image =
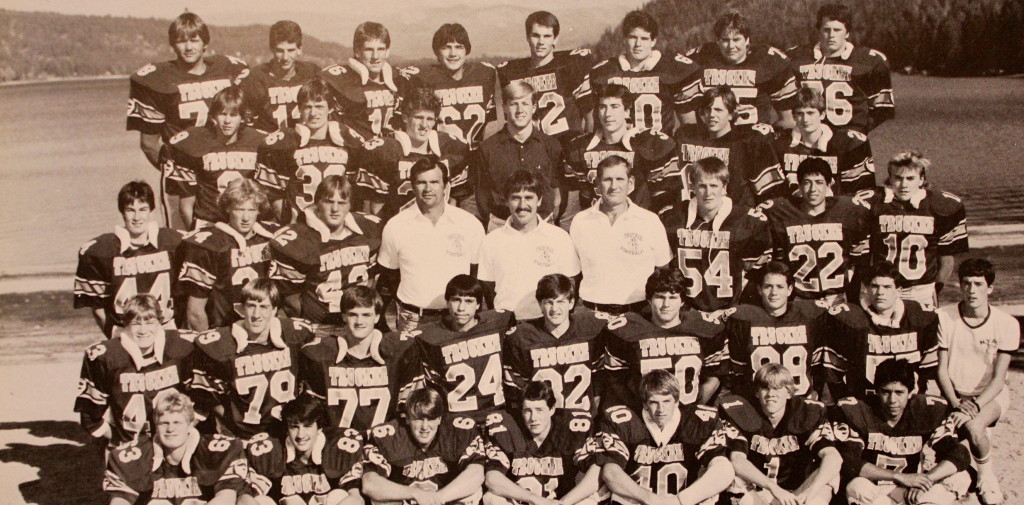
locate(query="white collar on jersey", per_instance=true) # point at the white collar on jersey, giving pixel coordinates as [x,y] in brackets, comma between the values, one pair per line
[892,321]
[152,231]
[433,143]
[186,461]
[314,222]
[258,229]
[242,337]
[132,347]
[645,66]
[844,54]
[662,436]
[386,73]
[915,199]
[375,339]
[627,139]
[333,133]
[716,223]
[821,144]
[316,452]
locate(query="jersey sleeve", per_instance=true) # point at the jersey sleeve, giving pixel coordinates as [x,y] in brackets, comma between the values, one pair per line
[92,279]
[856,163]
[782,85]
[94,391]
[738,418]
[181,178]
[837,346]
[820,435]
[758,250]
[849,421]
[663,171]
[199,270]
[466,444]
[878,88]
[617,432]
[274,167]
[222,461]
[286,268]
[376,455]
[144,114]
[739,357]
[266,464]
[765,170]
[129,468]
[951,227]
[342,459]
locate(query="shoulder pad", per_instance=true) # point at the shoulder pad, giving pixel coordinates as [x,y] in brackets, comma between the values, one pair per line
[96,351]
[839,308]
[373,143]
[488,65]
[718,316]
[757,214]
[692,51]
[764,129]
[145,70]
[274,137]
[878,54]
[384,430]
[503,64]
[182,135]
[463,423]
[601,64]
[409,71]
[236,61]
[774,51]
[705,413]
[85,247]
[951,196]
[581,51]
[207,337]
[681,58]
[856,135]
[336,69]
[741,413]
[618,414]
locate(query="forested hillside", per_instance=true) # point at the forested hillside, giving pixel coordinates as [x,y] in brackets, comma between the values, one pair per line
[944,37]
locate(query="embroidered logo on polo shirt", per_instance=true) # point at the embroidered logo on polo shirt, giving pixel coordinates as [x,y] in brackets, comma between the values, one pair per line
[632,244]
[544,255]
[456,246]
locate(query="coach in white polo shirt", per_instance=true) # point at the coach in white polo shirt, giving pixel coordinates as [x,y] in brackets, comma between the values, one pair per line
[618,242]
[425,245]
[525,248]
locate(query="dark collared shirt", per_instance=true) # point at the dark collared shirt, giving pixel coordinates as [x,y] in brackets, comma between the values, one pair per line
[501,155]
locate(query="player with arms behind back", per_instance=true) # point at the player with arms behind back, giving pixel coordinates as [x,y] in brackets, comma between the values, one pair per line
[273,87]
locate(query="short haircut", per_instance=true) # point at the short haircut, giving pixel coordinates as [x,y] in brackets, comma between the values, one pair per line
[240,191]
[516,89]
[261,289]
[895,370]
[774,376]
[186,26]
[659,382]
[368,31]
[135,191]
[172,401]
[977,267]
[421,99]
[613,161]
[836,12]
[909,159]
[526,180]
[616,91]
[729,99]
[710,167]
[778,268]
[285,31]
[814,165]
[304,409]
[230,99]
[448,33]
[464,285]
[639,19]
[361,297]
[424,403]
[316,90]
[539,391]
[426,164]
[810,98]
[552,286]
[331,185]
[731,20]
[881,269]
[542,18]
[142,306]
[665,280]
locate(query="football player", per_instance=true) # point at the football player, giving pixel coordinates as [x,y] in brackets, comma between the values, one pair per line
[311,464]
[664,453]
[121,376]
[176,465]
[219,260]
[272,88]
[329,249]
[249,369]
[139,257]
[540,454]
[425,457]
[717,242]
[917,228]
[854,80]
[780,444]
[883,440]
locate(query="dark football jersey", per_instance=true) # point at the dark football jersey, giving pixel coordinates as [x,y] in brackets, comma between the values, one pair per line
[164,99]
[138,472]
[399,352]
[912,235]
[848,152]
[664,83]
[118,384]
[218,261]
[856,84]
[467,104]
[693,350]
[273,100]
[754,170]
[557,84]
[278,472]
[651,153]
[203,166]
[568,362]
[357,391]
[857,344]
[762,81]
[306,260]
[250,380]
[822,249]
[111,271]
[363,104]
[786,453]
[292,164]
[715,256]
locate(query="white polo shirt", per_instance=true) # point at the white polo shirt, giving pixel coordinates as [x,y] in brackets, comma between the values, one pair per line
[429,255]
[972,351]
[617,259]
[515,261]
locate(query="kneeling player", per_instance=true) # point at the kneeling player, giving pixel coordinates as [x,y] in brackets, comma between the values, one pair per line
[427,457]
[178,465]
[781,446]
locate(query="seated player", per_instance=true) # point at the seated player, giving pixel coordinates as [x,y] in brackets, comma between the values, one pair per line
[329,249]
[780,444]
[139,257]
[976,342]
[206,159]
[776,330]
[883,327]
[217,261]
[272,88]
[121,376]
[917,228]
[684,342]
[176,465]
[540,453]
[664,453]
[559,348]
[824,239]
[311,464]
[425,457]
[247,370]
[883,439]
[848,152]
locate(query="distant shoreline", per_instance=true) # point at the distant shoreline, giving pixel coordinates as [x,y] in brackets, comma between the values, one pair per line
[64,79]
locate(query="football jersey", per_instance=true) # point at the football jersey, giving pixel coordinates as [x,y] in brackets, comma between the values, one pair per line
[292,164]
[363,104]
[306,260]
[652,155]
[278,472]
[794,340]
[822,249]
[164,99]
[693,350]
[111,271]
[762,81]
[118,383]
[218,261]
[250,380]
[274,100]
[912,235]
[568,362]
[138,472]
[857,343]
[203,166]
[856,84]
[398,351]
[786,453]
[467,104]
[557,85]
[715,256]
[754,170]
[847,152]
[662,84]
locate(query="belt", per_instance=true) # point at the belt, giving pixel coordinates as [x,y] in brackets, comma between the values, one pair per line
[408,307]
[614,308]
